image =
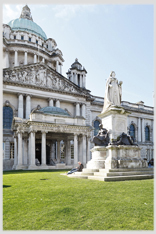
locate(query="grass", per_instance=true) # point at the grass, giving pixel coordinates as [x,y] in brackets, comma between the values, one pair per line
[46,200]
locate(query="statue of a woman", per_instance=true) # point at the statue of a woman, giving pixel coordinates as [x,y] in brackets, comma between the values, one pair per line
[113,92]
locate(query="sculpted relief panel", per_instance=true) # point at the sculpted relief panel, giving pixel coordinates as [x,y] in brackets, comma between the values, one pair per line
[39,77]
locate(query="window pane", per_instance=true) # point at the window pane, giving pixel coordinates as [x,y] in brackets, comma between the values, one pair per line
[132,131]
[147,134]
[7,117]
[96,127]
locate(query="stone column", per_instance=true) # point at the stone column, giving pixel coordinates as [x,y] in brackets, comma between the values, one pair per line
[25,151]
[75,149]
[143,131]
[32,151]
[61,69]
[84,158]
[77,109]
[84,81]
[57,66]
[15,152]
[19,157]
[16,58]
[7,58]
[88,148]
[28,106]
[68,153]
[35,58]
[58,151]
[43,149]
[25,58]
[139,130]
[51,151]
[28,147]
[51,102]
[20,105]
[58,103]
[76,80]
[43,60]
[81,81]
[71,77]
[80,148]
[84,110]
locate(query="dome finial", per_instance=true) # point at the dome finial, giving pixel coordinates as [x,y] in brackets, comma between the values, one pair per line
[26,14]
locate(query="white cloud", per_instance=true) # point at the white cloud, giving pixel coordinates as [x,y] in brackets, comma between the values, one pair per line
[67,12]
[10,14]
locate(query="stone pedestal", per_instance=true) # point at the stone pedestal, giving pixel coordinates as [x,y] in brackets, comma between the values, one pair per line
[111,161]
[115,120]
[112,156]
[99,155]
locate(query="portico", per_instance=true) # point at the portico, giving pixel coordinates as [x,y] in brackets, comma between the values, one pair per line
[48,144]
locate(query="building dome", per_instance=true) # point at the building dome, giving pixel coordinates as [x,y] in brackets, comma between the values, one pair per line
[53,110]
[25,23]
[28,26]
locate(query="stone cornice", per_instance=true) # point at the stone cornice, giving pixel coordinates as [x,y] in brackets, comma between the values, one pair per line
[32,46]
[30,126]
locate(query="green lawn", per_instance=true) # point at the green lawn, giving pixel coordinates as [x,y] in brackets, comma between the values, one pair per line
[46,200]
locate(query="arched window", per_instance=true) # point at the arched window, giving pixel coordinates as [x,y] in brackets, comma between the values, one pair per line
[132,131]
[96,127]
[147,134]
[7,117]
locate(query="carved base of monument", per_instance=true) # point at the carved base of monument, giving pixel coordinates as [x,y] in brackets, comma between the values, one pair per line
[99,155]
[112,156]
[114,119]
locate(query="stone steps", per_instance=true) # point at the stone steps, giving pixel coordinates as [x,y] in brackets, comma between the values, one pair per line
[118,174]
[127,169]
[121,178]
[122,173]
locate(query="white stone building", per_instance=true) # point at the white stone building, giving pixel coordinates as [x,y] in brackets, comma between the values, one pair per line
[48,119]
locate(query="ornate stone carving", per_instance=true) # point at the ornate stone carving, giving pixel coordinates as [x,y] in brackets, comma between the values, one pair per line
[124,139]
[39,76]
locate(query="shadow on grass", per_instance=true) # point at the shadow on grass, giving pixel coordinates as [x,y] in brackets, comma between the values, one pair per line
[6,186]
[33,171]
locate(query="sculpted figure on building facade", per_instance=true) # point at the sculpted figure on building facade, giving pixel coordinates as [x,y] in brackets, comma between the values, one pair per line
[49,80]
[54,82]
[14,76]
[6,76]
[25,78]
[113,92]
[33,76]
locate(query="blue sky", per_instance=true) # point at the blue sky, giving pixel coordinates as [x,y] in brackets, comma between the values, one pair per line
[103,38]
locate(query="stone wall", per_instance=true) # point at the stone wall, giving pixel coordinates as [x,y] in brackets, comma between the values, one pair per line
[8,164]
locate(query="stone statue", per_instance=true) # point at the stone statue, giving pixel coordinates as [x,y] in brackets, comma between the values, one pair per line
[113,92]
[102,138]
[124,139]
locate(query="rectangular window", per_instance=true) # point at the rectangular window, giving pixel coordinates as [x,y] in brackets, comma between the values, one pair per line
[29,38]
[22,37]
[36,41]
[11,150]
[14,37]
[47,46]
[42,44]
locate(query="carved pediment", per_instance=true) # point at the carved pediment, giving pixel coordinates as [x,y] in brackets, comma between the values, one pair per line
[40,75]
